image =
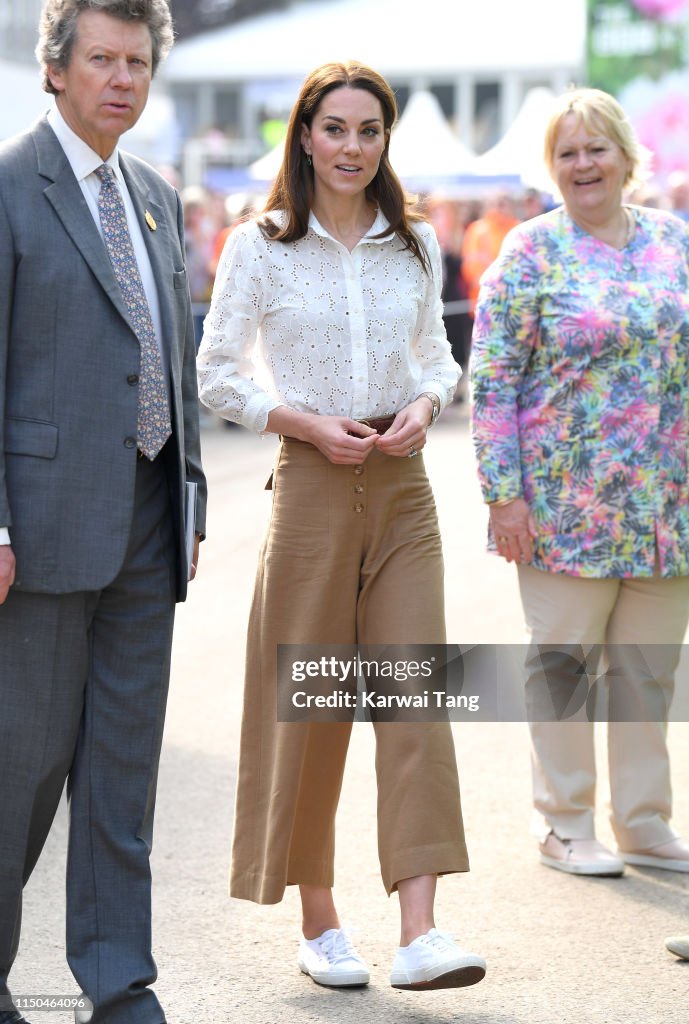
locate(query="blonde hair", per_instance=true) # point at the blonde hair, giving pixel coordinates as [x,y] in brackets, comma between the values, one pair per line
[599,112]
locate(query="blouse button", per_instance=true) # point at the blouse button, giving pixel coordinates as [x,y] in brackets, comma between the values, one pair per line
[358,470]
[358,507]
[358,488]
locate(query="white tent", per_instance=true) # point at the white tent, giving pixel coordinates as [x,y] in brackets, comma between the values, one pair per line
[394,36]
[423,148]
[266,167]
[520,150]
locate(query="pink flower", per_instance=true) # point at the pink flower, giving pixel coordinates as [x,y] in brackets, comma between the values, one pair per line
[663,10]
[664,129]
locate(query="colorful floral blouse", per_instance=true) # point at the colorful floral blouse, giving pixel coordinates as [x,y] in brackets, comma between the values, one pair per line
[580,374]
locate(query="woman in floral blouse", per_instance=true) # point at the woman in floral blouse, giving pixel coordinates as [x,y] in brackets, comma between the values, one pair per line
[581,422]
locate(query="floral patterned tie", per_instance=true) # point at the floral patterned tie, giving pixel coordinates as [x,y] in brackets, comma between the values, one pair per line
[153,420]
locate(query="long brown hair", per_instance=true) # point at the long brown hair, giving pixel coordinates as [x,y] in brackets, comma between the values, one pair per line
[292,189]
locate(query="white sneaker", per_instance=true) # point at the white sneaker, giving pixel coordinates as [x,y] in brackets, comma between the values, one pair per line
[679,945]
[331,959]
[434,960]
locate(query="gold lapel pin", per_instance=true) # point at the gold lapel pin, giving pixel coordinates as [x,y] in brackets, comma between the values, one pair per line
[150,221]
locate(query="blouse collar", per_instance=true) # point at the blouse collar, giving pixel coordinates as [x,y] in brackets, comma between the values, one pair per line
[379,225]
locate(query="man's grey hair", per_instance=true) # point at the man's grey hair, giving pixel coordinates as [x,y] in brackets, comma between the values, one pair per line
[57,30]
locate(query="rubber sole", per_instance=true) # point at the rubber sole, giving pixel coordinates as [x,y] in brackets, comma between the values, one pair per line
[352,980]
[460,977]
[644,860]
[569,868]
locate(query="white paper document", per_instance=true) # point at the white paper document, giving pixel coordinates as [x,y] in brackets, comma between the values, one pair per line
[190,522]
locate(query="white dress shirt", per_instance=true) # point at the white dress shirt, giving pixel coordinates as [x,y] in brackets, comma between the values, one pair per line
[319,329]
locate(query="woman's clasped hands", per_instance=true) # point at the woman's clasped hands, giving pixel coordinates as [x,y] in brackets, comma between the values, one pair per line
[348,442]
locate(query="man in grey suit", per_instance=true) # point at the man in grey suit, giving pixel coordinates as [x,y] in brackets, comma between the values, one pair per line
[98,443]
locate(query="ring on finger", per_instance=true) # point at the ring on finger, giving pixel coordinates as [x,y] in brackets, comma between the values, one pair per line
[503,540]
[412,452]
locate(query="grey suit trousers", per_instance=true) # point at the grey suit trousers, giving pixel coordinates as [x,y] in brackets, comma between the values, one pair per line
[84,679]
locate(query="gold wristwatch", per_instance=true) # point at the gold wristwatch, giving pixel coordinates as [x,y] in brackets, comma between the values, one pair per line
[435,403]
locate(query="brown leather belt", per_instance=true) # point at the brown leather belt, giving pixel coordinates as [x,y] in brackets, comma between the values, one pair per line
[379,423]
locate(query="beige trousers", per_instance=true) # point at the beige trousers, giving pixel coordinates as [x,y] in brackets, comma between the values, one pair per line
[652,612]
[352,555]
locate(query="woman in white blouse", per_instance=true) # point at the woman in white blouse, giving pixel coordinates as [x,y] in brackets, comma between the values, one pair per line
[335,290]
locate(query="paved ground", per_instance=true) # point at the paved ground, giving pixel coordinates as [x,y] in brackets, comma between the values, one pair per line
[560,950]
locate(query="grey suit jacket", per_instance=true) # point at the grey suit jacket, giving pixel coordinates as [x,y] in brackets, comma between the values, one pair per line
[68,365]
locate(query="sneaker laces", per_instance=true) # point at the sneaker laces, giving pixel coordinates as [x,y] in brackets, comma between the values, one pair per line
[339,947]
[438,940]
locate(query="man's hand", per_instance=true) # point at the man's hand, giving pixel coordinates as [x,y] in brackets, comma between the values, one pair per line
[7,565]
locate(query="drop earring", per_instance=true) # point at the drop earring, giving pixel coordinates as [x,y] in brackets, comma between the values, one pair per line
[309,160]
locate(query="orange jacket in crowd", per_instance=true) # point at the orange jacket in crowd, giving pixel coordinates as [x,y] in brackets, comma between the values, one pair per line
[481,245]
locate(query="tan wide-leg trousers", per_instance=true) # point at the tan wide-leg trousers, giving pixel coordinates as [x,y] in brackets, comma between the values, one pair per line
[651,612]
[353,555]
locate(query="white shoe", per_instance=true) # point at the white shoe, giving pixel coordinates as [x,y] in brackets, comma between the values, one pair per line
[434,960]
[331,959]
[579,856]
[671,856]
[679,945]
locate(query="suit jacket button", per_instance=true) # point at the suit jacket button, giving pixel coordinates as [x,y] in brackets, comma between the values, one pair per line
[130,442]
[133,378]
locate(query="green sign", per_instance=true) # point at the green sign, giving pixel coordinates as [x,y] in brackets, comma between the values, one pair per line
[638,50]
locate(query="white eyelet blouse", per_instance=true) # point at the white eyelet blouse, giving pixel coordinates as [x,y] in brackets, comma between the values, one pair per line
[311,326]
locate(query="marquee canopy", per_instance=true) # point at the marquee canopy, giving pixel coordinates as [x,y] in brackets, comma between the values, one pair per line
[397,37]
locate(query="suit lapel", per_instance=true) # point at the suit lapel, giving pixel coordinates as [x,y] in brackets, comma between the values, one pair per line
[64,194]
[66,198]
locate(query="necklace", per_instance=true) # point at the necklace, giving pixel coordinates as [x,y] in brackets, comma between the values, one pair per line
[630,224]
[604,236]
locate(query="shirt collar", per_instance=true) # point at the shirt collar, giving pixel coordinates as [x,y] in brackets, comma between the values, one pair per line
[380,224]
[82,159]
